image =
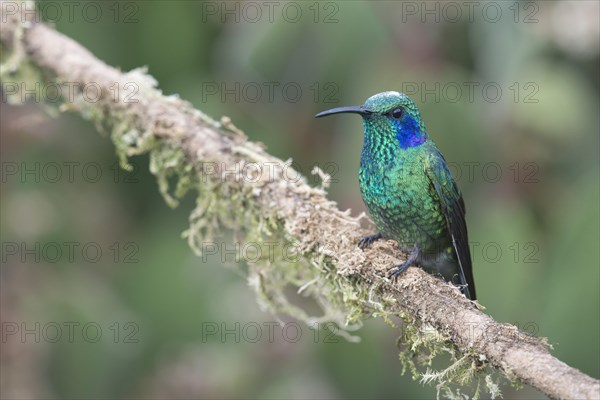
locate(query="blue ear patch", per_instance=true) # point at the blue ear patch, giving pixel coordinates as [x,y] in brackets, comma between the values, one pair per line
[408,132]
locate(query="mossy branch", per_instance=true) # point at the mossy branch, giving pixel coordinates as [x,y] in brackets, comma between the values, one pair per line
[188,147]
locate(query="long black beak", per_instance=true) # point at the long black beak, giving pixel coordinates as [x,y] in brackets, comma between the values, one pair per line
[352,109]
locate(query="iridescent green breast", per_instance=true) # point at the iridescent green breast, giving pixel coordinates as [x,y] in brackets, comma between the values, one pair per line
[402,201]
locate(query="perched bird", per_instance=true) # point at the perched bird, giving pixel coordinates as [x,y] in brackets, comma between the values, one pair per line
[409,191]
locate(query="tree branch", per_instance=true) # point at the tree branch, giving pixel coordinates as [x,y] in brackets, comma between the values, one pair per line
[170,129]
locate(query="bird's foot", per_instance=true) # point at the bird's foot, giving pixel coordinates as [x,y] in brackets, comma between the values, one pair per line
[367,241]
[398,269]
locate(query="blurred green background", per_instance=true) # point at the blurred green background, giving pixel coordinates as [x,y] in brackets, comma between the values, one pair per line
[526,158]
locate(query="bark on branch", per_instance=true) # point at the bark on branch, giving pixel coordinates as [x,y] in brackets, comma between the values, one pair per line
[306,214]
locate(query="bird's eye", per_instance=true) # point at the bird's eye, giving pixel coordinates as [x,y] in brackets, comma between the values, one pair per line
[397,113]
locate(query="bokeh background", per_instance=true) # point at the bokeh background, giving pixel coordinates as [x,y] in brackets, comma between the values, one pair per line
[525,156]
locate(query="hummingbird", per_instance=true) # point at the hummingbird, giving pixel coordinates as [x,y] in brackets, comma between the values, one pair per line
[409,191]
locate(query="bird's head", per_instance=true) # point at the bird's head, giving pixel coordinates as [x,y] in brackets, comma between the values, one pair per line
[388,116]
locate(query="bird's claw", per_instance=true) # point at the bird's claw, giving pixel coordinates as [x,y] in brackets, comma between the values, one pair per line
[367,241]
[394,272]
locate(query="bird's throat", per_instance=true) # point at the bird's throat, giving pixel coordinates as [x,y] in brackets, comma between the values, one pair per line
[385,149]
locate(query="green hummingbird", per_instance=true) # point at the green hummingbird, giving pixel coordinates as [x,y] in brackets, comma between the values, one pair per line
[409,191]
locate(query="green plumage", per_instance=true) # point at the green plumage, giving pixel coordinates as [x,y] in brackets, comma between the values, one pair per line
[402,201]
[409,191]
